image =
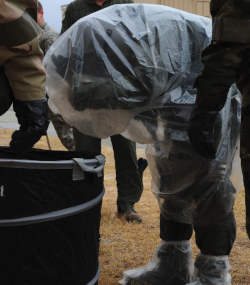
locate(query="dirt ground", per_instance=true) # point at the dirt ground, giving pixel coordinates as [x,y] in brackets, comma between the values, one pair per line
[125,245]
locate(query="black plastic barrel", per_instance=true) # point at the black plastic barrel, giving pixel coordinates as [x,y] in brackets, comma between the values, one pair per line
[50,208]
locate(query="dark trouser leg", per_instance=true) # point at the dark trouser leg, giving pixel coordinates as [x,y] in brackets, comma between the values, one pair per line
[86,143]
[174,231]
[212,265]
[215,243]
[6,95]
[245,146]
[128,175]
[34,121]
[246,174]
[218,239]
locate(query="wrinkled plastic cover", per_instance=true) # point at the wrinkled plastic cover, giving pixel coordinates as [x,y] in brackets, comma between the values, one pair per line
[116,63]
[211,270]
[171,263]
[188,187]
[130,69]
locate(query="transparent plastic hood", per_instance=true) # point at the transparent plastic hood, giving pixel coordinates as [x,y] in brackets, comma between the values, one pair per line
[117,62]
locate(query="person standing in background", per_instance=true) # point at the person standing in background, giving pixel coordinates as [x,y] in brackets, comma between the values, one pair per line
[128,174]
[63,130]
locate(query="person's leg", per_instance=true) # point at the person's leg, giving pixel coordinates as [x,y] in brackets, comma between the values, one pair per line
[246,175]
[128,174]
[6,94]
[174,231]
[215,244]
[26,75]
[245,146]
[63,130]
[34,121]
[172,261]
[86,143]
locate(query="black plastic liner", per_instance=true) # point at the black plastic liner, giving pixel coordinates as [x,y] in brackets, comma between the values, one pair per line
[62,250]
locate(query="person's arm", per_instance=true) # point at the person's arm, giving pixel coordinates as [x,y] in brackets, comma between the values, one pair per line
[47,40]
[67,21]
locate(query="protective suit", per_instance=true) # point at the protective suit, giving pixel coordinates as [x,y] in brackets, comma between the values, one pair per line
[130,69]
[22,75]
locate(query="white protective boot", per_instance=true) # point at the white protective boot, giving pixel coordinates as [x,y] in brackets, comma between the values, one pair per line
[211,270]
[171,264]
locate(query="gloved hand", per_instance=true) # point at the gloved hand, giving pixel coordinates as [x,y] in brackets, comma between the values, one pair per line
[201,130]
[34,121]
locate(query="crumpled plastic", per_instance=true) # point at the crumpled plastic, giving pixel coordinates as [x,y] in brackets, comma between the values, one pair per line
[201,130]
[130,69]
[190,188]
[116,63]
[171,264]
[212,270]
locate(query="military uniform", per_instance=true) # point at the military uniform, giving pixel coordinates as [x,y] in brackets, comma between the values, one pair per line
[81,8]
[128,174]
[49,36]
[19,49]
[21,60]
[63,130]
[226,60]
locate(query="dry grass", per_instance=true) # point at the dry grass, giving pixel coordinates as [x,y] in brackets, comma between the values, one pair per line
[126,246]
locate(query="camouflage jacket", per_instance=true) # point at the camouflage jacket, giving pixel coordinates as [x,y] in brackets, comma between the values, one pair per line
[81,8]
[231,20]
[20,54]
[49,36]
[15,17]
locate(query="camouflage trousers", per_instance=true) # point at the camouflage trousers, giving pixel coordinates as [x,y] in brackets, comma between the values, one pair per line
[63,130]
[225,64]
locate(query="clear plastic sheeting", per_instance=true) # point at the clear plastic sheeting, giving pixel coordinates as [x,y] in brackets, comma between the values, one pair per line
[171,264]
[120,61]
[190,188]
[211,270]
[130,69]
